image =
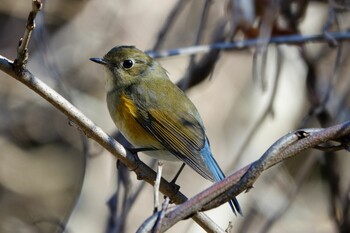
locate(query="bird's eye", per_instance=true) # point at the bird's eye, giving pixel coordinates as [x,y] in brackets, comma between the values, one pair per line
[128,63]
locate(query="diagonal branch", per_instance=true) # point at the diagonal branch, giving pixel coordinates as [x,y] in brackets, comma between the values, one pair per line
[286,147]
[17,69]
[96,133]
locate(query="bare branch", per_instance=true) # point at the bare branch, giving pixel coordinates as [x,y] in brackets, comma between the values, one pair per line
[292,39]
[22,50]
[286,147]
[219,193]
[96,133]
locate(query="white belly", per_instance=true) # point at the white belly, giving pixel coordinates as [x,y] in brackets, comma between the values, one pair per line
[162,155]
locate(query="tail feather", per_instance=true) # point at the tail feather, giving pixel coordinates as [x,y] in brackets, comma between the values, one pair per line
[218,174]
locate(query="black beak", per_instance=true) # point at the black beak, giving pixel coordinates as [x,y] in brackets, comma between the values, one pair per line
[99,60]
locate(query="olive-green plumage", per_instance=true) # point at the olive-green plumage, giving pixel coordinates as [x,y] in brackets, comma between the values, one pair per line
[152,112]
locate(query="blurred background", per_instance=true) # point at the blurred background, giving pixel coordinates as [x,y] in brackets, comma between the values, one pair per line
[54,179]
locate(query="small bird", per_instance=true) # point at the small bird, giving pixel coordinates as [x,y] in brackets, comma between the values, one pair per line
[154,114]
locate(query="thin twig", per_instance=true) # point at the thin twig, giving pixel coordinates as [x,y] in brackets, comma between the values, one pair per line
[161,215]
[156,186]
[291,39]
[22,50]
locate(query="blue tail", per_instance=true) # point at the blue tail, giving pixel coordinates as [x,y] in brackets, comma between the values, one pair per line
[218,174]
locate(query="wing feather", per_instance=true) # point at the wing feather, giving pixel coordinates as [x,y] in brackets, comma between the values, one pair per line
[181,134]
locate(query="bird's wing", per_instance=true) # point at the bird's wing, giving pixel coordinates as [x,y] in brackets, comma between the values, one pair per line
[181,134]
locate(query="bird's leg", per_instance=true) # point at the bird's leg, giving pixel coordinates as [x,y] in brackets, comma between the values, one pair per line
[173,181]
[156,186]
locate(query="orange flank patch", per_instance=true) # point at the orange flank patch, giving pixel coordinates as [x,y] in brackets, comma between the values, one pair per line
[126,113]
[128,106]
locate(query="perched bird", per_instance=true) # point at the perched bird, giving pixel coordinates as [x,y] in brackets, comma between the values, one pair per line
[154,114]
